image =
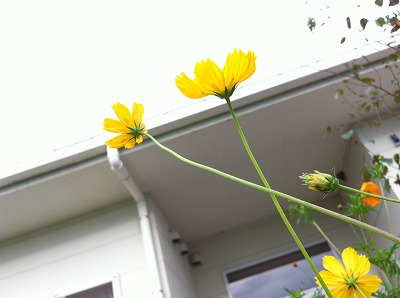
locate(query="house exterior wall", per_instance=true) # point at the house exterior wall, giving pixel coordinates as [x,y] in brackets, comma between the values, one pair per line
[264,239]
[77,255]
[175,270]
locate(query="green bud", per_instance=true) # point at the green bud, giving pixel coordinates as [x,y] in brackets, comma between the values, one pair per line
[320,181]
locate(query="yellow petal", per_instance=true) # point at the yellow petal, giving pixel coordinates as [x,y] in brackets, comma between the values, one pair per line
[123,114]
[369,284]
[115,126]
[331,279]
[356,265]
[119,141]
[139,139]
[334,266]
[130,144]
[188,87]
[137,112]
[209,77]
[341,292]
[238,67]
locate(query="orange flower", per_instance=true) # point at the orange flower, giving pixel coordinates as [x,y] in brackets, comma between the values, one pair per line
[371,188]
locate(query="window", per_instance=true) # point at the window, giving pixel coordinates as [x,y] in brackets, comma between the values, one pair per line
[290,271]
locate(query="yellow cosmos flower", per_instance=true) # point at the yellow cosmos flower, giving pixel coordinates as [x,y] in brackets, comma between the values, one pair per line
[129,126]
[373,188]
[347,281]
[211,80]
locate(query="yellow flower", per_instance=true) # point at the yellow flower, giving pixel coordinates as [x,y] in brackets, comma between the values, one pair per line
[320,181]
[371,188]
[211,80]
[129,126]
[347,281]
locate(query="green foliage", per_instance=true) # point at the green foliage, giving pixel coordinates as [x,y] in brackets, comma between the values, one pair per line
[301,212]
[295,294]
[311,24]
[363,23]
[378,170]
[386,261]
[380,21]
[355,206]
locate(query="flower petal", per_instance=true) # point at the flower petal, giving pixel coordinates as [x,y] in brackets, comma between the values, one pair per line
[120,141]
[331,264]
[209,77]
[188,87]
[369,284]
[137,113]
[123,114]
[115,126]
[238,67]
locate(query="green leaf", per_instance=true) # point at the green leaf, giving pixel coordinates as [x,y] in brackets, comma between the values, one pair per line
[348,21]
[379,2]
[380,22]
[367,80]
[311,24]
[343,40]
[396,158]
[376,123]
[328,130]
[363,23]
[339,93]
[397,96]
[393,57]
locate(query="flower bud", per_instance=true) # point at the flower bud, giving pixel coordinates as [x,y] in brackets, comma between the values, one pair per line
[320,181]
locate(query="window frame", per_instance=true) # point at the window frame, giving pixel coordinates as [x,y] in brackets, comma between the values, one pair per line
[115,283]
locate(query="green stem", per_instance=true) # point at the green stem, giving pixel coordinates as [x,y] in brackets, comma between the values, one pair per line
[326,237]
[355,233]
[368,194]
[278,193]
[362,232]
[275,201]
[361,292]
[389,218]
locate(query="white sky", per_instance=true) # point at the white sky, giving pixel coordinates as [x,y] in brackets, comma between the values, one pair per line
[64,63]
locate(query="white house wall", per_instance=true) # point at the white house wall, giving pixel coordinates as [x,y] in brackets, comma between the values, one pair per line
[264,239]
[76,256]
[176,275]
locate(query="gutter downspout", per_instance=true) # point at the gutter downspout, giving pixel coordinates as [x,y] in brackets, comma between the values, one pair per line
[145,225]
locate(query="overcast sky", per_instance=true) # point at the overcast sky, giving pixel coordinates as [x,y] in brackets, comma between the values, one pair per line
[64,63]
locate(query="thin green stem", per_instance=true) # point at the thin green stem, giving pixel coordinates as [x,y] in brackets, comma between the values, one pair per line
[371,235]
[389,218]
[355,233]
[278,193]
[361,292]
[362,232]
[368,194]
[316,225]
[275,201]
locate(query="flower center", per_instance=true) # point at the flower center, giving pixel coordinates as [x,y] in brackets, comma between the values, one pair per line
[137,130]
[351,282]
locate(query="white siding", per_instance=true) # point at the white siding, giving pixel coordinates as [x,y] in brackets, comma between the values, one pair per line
[77,255]
[176,275]
[264,239]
